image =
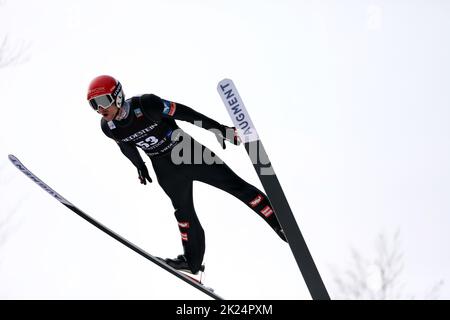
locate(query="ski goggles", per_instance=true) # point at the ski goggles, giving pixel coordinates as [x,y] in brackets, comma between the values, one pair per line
[104,101]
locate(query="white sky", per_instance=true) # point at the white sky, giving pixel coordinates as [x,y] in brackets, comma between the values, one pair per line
[350,98]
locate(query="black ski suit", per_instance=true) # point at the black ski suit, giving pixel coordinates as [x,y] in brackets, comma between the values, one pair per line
[150,125]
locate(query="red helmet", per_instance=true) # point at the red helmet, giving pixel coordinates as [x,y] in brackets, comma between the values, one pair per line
[103,91]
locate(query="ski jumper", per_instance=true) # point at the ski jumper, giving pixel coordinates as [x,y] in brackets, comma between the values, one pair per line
[150,125]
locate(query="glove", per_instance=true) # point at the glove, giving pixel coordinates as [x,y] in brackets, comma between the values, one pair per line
[144,175]
[228,134]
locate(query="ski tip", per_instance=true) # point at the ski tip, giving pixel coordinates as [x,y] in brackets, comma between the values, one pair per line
[223,82]
[11,157]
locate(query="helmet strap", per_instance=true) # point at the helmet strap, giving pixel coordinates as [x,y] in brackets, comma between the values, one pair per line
[122,113]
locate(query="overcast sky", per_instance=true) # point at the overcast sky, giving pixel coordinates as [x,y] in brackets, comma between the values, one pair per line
[350,98]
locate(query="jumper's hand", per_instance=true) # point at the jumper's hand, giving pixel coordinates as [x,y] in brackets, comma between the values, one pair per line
[144,176]
[229,134]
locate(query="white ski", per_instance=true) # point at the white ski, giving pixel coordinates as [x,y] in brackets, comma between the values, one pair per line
[255,149]
[154,259]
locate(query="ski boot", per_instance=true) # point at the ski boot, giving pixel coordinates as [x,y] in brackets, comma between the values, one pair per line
[180,263]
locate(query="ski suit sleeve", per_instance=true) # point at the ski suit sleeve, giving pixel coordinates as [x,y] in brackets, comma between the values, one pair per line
[130,151]
[159,108]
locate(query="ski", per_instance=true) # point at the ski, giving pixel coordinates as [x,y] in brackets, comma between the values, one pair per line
[193,282]
[269,180]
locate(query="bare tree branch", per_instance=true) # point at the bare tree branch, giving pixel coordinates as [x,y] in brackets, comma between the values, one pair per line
[378,278]
[12,54]
[435,291]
